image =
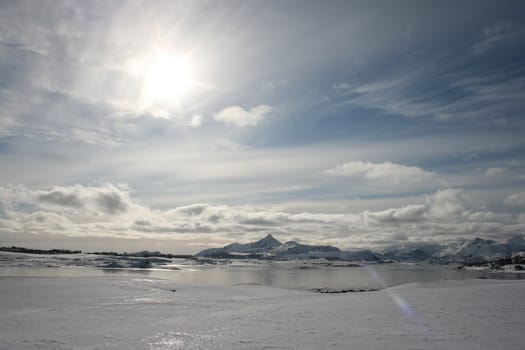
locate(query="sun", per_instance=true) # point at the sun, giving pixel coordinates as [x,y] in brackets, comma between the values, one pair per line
[166,78]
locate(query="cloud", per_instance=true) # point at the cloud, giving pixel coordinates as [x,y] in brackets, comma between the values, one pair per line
[409,213]
[240,117]
[105,199]
[468,89]
[445,205]
[111,211]
[58,197]
[196,121]
[111,203]
[67,71]
[226,145]
[516,199]
[494,171]
[273,85]
[386,173]
[499,35]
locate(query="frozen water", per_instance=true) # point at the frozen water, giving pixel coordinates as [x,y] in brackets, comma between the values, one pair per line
[116,312]
[285,274]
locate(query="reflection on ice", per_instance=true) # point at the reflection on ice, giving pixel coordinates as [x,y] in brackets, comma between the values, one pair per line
[173,340]
[170,340]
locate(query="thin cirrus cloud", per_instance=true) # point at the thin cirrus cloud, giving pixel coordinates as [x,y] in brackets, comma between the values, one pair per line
[240,117]
[495,99]
[499,34]
[465,89]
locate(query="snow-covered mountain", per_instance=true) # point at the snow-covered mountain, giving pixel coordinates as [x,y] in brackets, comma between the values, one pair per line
[270,248]
[463,251]
[411,251]
[295,250]
[238,250]
[360,255]
[516,244]
[261,246]
[476,250]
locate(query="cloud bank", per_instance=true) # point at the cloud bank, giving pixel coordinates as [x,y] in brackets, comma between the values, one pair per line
[111,211]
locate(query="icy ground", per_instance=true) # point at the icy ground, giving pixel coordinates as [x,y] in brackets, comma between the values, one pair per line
[8,259]
[116,312]
[22,260]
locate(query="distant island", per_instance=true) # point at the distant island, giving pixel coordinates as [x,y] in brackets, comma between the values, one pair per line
[140,254]
[39,251]
[472,252]
[475,251]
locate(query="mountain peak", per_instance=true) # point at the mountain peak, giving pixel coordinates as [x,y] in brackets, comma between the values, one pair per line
[516,243]
[480,241]
[263,245]
[516,239]
[268,241]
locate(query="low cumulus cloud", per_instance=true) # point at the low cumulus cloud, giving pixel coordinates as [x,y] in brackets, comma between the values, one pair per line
[196,121]
[494,171]
[386,174]
[111,211]
[516,199]
[444,205]
[240,117]
[106,199]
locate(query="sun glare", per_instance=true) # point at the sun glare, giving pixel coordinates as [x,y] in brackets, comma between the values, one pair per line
[167,78]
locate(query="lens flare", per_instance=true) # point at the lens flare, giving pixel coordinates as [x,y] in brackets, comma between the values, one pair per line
[398,300]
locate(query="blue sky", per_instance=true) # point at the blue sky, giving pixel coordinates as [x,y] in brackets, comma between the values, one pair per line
[176,125]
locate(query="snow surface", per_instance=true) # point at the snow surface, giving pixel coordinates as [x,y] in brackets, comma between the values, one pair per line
[118,312]
[10,260]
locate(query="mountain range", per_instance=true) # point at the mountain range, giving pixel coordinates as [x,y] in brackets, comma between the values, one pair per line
[464,251]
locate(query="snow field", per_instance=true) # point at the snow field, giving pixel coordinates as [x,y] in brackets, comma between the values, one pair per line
[141,313]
